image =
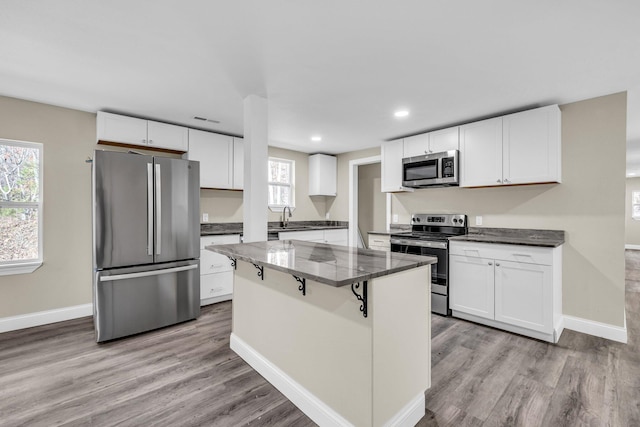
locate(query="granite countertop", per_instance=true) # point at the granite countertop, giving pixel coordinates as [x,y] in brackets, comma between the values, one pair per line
[329,264]
[513,236]
[212,229]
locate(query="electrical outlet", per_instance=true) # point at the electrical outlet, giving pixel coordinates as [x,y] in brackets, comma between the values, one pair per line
[395,218]
[327,215]
[478,220]
[205,217]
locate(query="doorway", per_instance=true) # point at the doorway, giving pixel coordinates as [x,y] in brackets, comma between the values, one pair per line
[374,213]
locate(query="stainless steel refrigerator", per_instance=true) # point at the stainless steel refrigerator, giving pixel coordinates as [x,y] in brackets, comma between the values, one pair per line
[146,234]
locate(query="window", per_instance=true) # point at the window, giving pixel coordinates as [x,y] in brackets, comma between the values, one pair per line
[635,205]
[281,183]
[20,206]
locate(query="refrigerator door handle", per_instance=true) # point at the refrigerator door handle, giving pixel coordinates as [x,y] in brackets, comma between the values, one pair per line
[150,209]
[158,211]
[147,273]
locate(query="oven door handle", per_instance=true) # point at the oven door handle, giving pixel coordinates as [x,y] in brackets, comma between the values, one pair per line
[419,243]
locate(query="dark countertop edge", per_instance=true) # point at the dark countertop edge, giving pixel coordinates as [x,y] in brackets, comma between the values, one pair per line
[307,228]
[380,233]
[335,283]
[507,241]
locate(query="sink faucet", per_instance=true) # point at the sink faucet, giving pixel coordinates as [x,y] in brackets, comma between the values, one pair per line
[285,219]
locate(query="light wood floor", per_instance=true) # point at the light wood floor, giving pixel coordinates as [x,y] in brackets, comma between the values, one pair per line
[186,375]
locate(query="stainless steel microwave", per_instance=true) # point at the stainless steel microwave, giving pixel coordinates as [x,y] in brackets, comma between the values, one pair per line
[436,169]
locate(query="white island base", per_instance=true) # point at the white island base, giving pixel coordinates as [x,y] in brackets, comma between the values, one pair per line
[338,367]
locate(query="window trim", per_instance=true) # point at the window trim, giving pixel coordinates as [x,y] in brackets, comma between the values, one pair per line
[28,265]
[291,185]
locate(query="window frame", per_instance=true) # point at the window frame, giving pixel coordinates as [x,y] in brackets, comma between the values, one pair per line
[291,184]
[30,265]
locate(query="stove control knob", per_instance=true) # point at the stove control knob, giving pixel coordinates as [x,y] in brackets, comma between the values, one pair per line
[417,219]
[455,220]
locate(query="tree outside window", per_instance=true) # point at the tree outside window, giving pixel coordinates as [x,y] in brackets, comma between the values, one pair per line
[20,203]
[281,183]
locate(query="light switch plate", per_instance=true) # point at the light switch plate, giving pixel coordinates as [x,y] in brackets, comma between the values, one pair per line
[478,220]
[205,217]
[327,215]
[395,218]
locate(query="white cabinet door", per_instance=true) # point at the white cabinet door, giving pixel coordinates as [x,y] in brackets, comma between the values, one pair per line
[392,153]
[215,154]
[531,146]
[481,153]
[471,285]
[170,137]
[417,145]
[337,237]
[238,163]
[444,140]
[217,285]
[523,295]
[122,129]
[322,175]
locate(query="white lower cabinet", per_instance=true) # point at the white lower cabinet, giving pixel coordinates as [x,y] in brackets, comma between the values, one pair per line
[332,236]
[516,288]
[380,242]
[216,271]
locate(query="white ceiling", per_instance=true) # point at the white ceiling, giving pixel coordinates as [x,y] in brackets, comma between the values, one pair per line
[337,68]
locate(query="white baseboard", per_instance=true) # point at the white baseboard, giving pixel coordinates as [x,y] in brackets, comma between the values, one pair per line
[634,247]
[313,407]
[39,318]
[410,414]
[591,327]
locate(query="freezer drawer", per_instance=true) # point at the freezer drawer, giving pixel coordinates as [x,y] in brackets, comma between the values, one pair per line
[133,300]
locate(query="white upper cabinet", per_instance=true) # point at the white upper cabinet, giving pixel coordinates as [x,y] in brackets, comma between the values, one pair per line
[520,148]
[432,142]
[531,146]
[215,154]
[238,163]
[322,175]
[169,137]
[392,153]
[416,145]
[481,153]
[115,128]
[121,129]
[444,140]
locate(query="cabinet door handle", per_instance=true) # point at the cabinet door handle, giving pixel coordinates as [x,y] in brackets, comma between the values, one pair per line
[506,180]
[499,181]
[490,263]
[497,264]
[151,141]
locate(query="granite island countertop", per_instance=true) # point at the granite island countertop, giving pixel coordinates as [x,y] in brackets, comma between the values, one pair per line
[329,264]
[513,236]
[214,229]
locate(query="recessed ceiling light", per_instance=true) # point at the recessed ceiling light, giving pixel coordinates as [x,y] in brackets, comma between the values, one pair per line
[401,113]
[316,138]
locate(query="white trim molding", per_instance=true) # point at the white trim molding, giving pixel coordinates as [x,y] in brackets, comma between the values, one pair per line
[410,414]
[632,247]
[308,403]
[19,268]
[40,318]
[353,195]
[591,327]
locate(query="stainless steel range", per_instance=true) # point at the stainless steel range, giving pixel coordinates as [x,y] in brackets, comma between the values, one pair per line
[429,235]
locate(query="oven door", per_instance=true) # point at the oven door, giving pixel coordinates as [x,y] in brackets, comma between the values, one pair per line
[439,270]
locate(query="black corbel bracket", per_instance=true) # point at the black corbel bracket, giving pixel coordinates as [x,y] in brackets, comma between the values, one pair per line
[260,271]
[233,263]
[303,284]
[362,298]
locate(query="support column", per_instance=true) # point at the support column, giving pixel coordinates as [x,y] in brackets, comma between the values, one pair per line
[255,197]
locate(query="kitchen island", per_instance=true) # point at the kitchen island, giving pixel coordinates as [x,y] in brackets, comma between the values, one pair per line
[343,332]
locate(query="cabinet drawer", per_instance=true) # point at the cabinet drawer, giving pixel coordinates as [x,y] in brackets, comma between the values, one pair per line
[211,262]
[336,236]
[215,285]
[514,253]
[310,235]
[223,239]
